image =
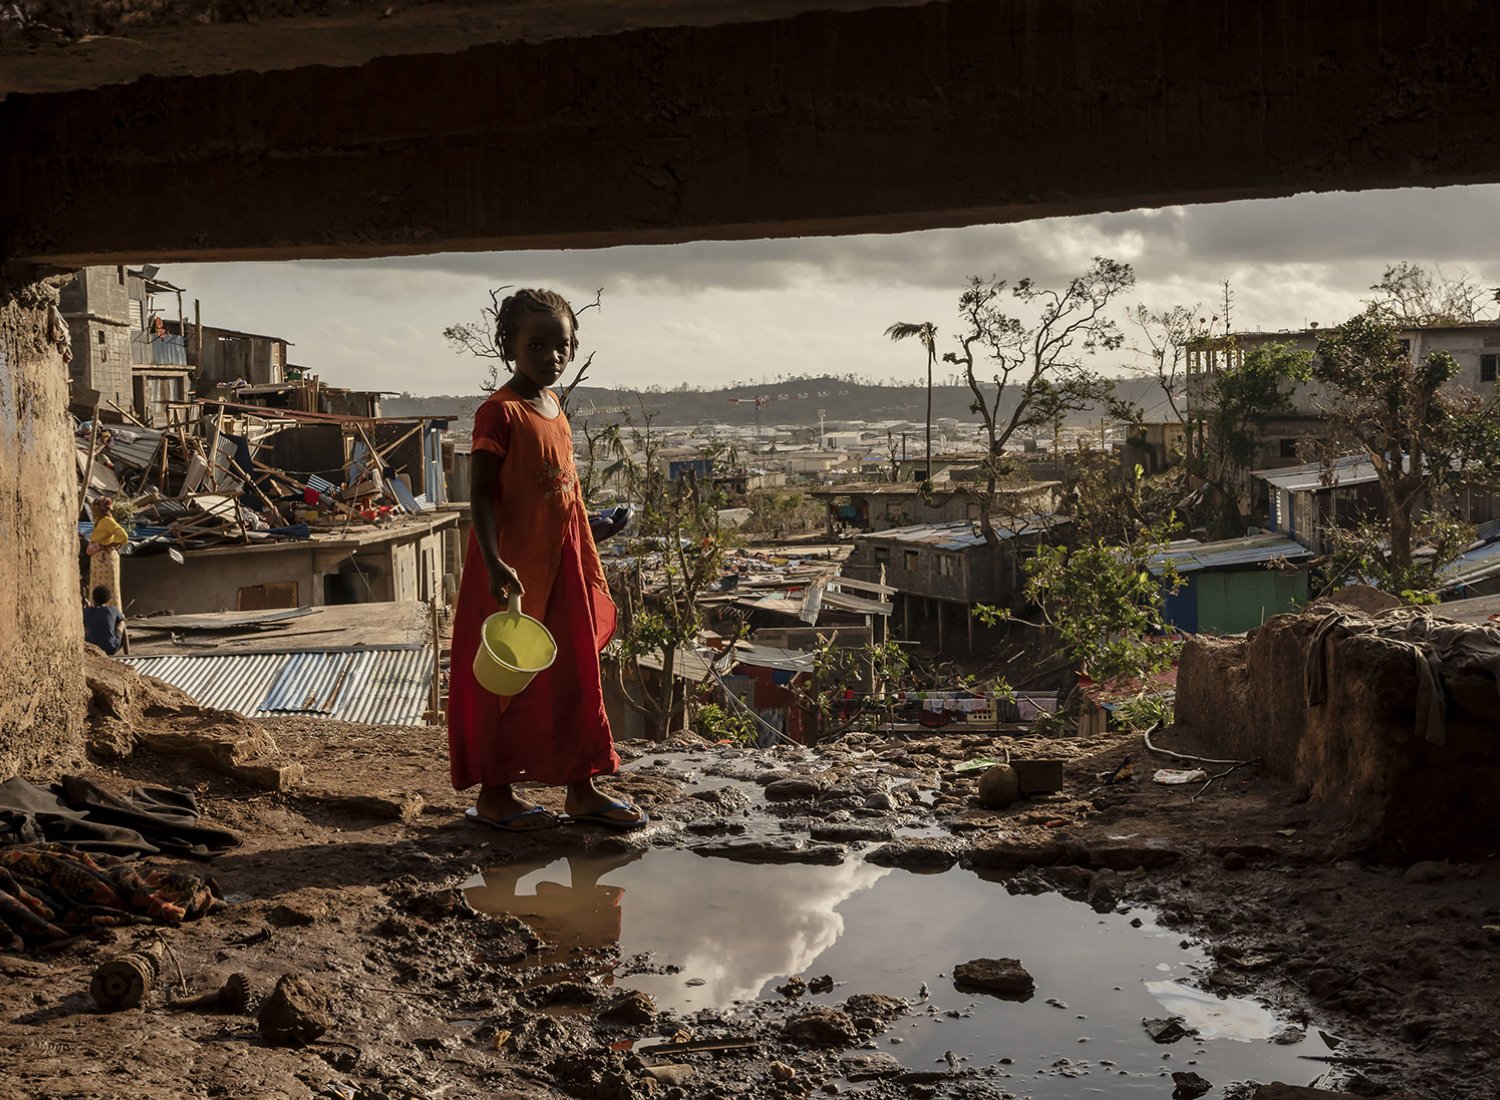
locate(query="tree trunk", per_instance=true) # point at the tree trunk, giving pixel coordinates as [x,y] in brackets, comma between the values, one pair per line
[666,694]
[930,356]
[1400,559]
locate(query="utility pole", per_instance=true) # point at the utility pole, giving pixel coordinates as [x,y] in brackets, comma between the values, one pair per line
[822,432]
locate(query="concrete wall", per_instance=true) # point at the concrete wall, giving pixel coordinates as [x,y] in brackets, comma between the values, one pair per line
[41,618]
[97,307]
[399,570]
[878,119]
[211,582]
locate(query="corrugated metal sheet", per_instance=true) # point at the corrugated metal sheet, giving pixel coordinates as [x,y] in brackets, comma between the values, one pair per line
[1351,470]
[1477,565]
[376,686]
[139,452]
[1258,550]
[962,534]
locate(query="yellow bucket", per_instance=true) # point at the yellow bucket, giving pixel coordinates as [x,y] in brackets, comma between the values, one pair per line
[512,649]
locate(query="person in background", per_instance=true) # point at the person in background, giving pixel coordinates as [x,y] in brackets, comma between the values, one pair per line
[103,623]
[104,550]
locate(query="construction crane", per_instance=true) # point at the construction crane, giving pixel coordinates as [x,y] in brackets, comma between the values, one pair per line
[760,403]
[762,400]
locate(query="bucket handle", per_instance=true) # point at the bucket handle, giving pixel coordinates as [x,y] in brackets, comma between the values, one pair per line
[513,609]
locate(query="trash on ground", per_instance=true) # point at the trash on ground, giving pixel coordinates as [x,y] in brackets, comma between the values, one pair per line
[1176,776]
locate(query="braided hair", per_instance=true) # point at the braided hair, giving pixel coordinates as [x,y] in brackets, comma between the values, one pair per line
[508,318]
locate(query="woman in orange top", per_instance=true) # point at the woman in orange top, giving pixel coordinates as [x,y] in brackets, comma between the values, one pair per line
[531,536]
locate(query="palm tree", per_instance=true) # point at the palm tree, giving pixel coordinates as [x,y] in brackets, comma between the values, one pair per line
[926,332]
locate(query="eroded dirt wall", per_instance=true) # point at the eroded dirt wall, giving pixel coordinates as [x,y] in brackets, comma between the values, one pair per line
[1358,754]
[41,626]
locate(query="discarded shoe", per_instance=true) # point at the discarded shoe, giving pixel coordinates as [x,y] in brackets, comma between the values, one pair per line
[602,817]
[527,821]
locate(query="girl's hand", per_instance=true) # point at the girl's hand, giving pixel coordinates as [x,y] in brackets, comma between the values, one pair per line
[503,581]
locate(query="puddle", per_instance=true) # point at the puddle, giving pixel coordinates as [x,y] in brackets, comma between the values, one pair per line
[1214,1018]
[701,933]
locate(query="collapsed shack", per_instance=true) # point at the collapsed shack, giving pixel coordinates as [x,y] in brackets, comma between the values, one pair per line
[226,472]
[1390,721]
[227,478]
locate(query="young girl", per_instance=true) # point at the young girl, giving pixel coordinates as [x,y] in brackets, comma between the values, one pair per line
[531,536]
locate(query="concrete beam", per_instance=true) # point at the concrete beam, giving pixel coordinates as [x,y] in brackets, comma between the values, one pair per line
[51,46]
[884,119]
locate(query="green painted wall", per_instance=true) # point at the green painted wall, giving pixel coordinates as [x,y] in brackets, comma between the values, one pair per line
[1231,603]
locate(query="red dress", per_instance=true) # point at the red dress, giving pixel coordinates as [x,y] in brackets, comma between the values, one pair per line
[556,731]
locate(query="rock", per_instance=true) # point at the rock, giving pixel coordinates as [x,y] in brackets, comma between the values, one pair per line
[875,1005]
[232,748]
[1428,871]
[868,1067]
[823,984]
[565,993]
[1289,1036]
[774,850]
[880,801]
[297,914]
[791,790]
[782,1072]
[1009,854]
[1104,890]
[793,988]
[1166,1029]
[295,1013]
[1325,981]
[1127,857]
[1234,861]
[1278,1091]
[999,977]
[851,833]
[674,1075]
[632,1009]
[405,806]
[1189,1086]
[822,1027]
[999,787]
[914,855]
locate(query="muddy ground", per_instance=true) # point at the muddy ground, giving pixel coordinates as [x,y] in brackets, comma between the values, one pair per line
[349,878]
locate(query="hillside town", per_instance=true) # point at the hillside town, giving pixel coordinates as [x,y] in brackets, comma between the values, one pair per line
[674,551]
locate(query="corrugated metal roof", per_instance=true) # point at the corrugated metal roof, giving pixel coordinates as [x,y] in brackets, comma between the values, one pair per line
[1256,550]
[1349,470]
[963,534]
[387,687]
[1478,564]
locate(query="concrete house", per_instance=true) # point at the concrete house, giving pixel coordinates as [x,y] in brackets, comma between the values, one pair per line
[941,570]
[397,564]
[1475,346]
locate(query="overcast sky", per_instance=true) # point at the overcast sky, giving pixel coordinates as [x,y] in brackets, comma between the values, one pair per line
[713,312]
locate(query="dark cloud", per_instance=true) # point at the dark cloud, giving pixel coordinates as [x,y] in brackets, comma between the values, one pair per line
[1358,232]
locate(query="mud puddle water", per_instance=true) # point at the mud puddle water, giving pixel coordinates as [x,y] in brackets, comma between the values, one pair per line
[711,934]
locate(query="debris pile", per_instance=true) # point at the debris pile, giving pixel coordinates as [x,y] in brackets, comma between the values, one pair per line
[223,474]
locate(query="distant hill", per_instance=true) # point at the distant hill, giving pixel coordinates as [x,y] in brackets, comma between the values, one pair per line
[794,402]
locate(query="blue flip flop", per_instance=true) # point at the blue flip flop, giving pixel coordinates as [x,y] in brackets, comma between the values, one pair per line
[601,817]
[505,824]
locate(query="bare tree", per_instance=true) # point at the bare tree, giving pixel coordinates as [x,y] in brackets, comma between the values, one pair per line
[481,339]
[1410,296]
[1038,363]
